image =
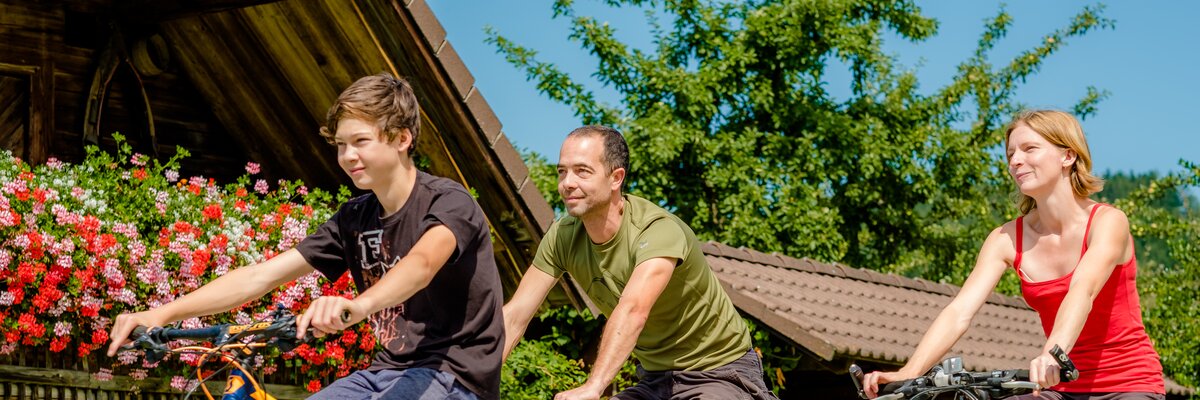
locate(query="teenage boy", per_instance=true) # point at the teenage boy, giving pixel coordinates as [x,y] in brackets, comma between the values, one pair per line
[645,270]
[419,251]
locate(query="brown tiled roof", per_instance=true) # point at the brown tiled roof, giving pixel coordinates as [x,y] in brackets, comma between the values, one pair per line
[836,311]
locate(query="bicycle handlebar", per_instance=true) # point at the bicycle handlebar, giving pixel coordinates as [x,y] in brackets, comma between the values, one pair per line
[279,331]
[950,377]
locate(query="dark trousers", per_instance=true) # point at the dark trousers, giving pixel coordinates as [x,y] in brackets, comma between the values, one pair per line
[740,379]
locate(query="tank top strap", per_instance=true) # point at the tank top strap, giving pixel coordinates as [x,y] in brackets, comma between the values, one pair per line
[1088,230]
[1020,239]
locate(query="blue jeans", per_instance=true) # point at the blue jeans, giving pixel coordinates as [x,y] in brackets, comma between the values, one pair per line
[408,384]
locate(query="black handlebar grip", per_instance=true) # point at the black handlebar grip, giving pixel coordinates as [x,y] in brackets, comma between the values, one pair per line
[892,387]
[1068,371]
[856,373]
[138,332]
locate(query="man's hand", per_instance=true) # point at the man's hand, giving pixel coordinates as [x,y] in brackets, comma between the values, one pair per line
[1044,371]
[585,392]
[329,314]
[124,325]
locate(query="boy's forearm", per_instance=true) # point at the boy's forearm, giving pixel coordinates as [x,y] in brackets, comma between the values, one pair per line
[412,273]
[237,287]
[399,284]
[220,295]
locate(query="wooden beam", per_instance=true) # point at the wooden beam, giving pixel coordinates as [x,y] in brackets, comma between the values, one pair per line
[143,11]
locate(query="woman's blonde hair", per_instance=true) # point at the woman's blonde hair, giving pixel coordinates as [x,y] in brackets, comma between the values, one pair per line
[1060,129]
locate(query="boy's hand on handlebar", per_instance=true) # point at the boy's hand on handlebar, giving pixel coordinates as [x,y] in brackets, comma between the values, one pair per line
[1044,371]
[329,314]
[872,381]
[124,325]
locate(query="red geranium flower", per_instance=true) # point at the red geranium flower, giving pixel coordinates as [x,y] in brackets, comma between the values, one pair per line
[212,212]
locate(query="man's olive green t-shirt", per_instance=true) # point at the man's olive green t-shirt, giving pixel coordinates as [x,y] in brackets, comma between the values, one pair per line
[693,326]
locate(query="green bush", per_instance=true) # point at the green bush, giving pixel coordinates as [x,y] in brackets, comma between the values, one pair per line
[535,370]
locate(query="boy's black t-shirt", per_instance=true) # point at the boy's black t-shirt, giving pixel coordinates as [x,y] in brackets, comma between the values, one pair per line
[455,323]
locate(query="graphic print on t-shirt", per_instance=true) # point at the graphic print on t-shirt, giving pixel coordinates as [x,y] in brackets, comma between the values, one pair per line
[376,261]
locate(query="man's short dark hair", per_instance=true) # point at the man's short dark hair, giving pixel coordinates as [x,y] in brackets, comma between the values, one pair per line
[616,151]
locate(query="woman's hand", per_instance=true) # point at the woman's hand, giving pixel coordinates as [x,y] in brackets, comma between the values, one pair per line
[329,314]
[871,381]
[1044,371]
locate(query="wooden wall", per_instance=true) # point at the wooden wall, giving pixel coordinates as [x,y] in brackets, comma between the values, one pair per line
[52,51]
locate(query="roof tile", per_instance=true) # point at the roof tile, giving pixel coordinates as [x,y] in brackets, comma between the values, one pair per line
[428,23]
[489,124]
[511,160]
[537,205]
[864,314]
[459,75]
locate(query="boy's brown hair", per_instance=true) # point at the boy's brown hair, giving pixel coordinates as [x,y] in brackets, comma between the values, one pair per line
[383,99]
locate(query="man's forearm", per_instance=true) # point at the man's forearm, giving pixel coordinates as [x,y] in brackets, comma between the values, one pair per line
[617,342]
[515,323]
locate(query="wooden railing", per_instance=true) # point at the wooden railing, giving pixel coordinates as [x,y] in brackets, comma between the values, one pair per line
[40,374]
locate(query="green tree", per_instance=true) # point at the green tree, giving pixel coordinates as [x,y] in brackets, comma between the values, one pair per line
[732,125]
[1153,250]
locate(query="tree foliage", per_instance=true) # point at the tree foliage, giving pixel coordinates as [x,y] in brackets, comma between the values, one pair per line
[733,126]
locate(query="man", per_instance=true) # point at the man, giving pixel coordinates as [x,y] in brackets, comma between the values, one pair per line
[419,251]
[644,269]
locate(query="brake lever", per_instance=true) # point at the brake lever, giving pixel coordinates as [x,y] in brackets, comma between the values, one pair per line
[856,373]
[1066,366]
[145,339]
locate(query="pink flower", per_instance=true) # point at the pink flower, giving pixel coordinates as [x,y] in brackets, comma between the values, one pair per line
[180,383]
[62,328]
[127,357]
[171,175]
[138,159]
[104,374]
[261,186]
[253,168]
[138,374]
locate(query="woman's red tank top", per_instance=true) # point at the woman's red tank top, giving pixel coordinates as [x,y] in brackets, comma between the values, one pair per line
[1113,352]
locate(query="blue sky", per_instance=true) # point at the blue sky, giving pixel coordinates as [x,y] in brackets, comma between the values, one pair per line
[1147,62]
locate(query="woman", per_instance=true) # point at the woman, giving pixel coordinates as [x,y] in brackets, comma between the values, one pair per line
[1076,262]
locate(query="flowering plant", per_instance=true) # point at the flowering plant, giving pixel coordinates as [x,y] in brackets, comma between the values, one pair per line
[84,243]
